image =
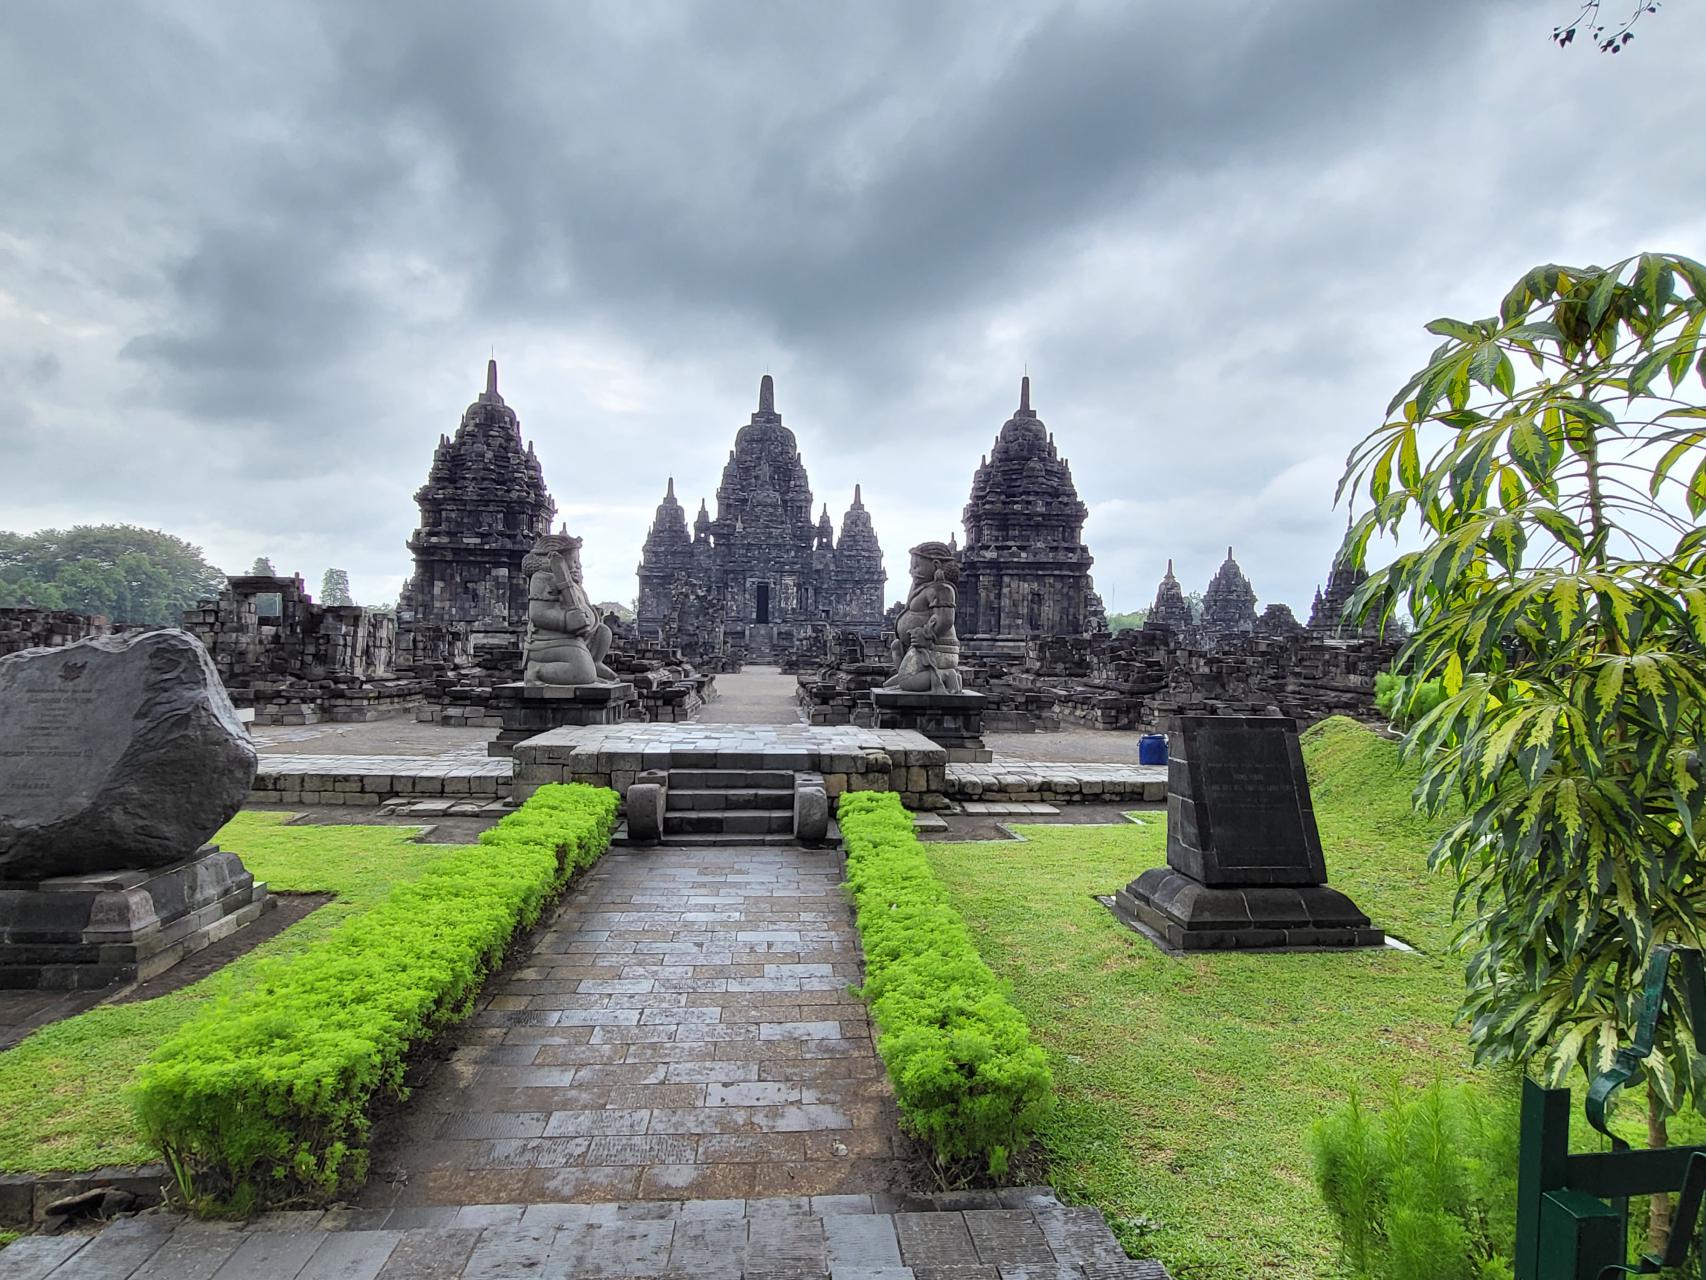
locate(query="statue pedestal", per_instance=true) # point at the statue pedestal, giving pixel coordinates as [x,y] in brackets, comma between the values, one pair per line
[72,933]
[953,721]
[529,709]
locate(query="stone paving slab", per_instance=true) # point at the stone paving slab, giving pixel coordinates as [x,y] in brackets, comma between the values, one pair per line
[1017,1234]
[682,1027]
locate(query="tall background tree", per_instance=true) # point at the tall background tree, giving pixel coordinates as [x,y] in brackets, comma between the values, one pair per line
[334,587]
[121,571]
[1559,597]
[262,568]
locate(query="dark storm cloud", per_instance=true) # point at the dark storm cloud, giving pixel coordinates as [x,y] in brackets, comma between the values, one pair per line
[264,249]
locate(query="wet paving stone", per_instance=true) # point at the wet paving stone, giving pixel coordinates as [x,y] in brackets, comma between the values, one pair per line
[680,1003]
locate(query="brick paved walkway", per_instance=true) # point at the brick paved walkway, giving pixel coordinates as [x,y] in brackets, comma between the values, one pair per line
[683,1028]
[756,695]
[674,1083]
[1020,1234]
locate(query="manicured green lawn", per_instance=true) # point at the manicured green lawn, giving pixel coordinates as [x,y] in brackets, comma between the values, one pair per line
[63,1090]
[1187,1087]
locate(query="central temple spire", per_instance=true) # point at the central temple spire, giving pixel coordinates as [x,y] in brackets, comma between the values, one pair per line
[766,395]
[490,394]
[1025,394]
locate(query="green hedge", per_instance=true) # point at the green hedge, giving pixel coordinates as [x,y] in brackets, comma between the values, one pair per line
[267,1096]
[966,1074]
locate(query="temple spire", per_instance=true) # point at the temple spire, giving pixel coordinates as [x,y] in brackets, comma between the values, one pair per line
[766,395]
[491,391]
[669,494]
[1025,394]
[1169,566]
[858,499]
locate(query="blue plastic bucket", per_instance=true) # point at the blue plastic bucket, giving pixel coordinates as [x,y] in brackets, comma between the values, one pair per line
[1152,748]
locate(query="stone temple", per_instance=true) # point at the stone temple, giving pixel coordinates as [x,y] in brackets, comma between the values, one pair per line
[483,507]
[764,573]
[1025,570]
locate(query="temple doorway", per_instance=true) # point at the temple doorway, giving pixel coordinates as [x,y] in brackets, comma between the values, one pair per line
[763,602]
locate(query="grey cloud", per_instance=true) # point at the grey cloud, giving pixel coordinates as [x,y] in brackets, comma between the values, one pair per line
[291,232]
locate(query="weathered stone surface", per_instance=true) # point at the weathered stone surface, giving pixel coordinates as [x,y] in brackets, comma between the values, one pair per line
[118,752]
[762,576]
[482,508]
[1026,569]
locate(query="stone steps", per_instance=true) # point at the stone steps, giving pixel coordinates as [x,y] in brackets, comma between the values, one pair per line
[966,1235]
[751,822]
[764,798]
[722,840]
[732,779]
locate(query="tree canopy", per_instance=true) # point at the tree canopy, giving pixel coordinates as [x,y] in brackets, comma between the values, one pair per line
[124,572]
[334,587]
[1559,598]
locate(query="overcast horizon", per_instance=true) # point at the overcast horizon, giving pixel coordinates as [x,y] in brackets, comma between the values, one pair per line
[253,259]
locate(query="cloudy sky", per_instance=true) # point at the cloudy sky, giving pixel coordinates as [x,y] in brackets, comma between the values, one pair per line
[253,257]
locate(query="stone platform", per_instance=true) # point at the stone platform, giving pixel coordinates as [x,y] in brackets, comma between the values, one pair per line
[466,776]
[849,758]
[1011,781]
[79,932]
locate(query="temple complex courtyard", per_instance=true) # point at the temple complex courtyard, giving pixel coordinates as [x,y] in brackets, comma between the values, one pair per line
[672,1074]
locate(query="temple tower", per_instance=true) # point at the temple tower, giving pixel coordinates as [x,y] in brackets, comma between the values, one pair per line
[1171,610]
[769,567]
[483,506]
[1327,617]
[1025,568]
[1229,604]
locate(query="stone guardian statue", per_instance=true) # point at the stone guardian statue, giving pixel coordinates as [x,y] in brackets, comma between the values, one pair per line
[566,641]
[926,648]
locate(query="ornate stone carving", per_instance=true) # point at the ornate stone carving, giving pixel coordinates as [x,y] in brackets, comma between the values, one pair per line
[926,647]
[764,574]
[566,640]
[482,506]
[1027,570]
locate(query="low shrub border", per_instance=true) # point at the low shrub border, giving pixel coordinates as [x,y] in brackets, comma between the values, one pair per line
[267,1097]
[968,1078]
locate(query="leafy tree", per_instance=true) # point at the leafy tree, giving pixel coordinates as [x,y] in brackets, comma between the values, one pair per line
[1559,594]
[262,568]
[124,572]
[334,587]
[1127,621]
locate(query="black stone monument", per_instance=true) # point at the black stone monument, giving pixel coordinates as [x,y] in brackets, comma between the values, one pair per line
[1244,864]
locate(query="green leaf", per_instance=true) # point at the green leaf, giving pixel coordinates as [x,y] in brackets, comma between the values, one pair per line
[1448,328]
[1599,302]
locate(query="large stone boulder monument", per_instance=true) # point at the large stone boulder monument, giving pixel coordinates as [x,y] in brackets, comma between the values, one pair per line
[119,758]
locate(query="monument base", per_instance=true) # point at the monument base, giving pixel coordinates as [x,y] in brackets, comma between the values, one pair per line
[76,932]
[1187,915]
[953,721]
[530,709]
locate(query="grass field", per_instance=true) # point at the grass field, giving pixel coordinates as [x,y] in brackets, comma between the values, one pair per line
[63,1101]
[1187,1087]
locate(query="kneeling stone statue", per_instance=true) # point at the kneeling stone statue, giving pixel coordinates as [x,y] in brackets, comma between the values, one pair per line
[926,647]
[566,641]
